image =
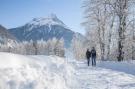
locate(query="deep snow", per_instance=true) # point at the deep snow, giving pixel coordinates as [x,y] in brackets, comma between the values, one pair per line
[33,72]
[52,72]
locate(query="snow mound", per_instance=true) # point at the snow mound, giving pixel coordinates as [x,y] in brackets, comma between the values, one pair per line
[34,72]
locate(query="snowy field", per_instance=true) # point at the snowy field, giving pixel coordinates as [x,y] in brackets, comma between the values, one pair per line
[51,72]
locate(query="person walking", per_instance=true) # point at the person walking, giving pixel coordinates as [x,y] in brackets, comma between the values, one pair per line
[93,56]
[88,55]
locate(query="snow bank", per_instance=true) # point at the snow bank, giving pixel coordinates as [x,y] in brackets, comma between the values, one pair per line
[125,66]
[34,72]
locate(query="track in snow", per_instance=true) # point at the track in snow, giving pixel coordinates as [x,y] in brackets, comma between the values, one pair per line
[98,78]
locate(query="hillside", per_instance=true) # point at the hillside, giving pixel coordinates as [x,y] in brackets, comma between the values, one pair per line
[5,36]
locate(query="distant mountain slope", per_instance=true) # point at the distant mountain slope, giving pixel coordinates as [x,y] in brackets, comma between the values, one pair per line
[44,28]
[5,36]
[80,37]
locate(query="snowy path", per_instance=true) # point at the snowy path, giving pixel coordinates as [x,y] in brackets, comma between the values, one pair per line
[99,78]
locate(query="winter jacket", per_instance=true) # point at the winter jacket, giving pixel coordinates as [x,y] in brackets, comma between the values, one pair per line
[93,53]
[88,54]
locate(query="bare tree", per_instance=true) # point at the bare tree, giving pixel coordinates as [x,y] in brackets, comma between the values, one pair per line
[98,12]
[111,25]
[105,16]
[121,8]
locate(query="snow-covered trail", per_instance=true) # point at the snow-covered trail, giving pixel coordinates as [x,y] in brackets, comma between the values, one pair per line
[99,78]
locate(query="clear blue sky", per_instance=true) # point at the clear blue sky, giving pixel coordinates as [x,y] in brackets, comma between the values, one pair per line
[14,13]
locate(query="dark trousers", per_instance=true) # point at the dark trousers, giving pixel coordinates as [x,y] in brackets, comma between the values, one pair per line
[93,61]
[88,61]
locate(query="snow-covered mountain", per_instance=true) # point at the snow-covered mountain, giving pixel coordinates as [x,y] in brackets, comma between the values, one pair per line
[44,28]
[5,36]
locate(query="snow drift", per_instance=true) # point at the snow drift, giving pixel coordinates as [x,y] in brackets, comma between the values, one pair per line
[34,72]
[125,66]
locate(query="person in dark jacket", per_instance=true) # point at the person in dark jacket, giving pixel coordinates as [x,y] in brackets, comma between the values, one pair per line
[88,55]
[93,56]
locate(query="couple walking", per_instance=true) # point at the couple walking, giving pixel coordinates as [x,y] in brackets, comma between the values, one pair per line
[91,54]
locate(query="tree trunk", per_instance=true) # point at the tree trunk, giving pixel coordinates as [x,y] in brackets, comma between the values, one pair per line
[108,47]
[122,27]
[35,47]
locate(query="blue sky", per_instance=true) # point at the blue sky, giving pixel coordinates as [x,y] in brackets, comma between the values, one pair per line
[14,13]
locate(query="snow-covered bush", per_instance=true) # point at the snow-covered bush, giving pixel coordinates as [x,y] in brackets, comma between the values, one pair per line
[51,47]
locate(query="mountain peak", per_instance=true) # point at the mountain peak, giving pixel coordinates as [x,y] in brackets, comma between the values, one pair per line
[50,20]
[53,16]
